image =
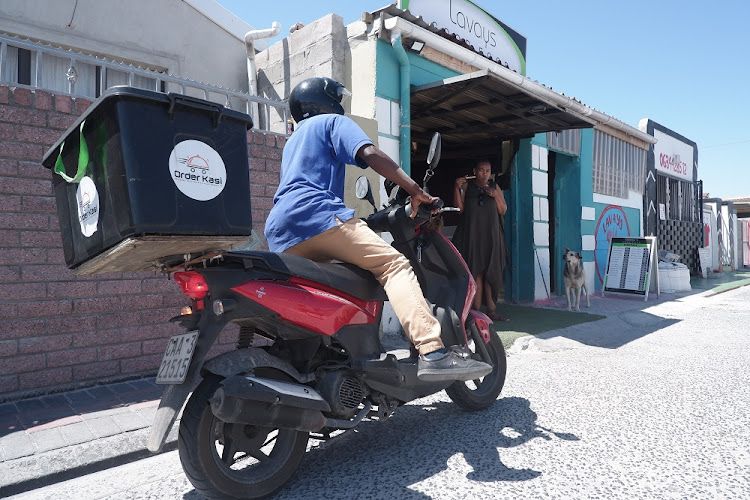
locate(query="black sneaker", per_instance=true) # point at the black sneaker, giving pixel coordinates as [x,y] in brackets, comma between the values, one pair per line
[454,364]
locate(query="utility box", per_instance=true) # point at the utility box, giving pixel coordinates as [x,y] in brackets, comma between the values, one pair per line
[143,180]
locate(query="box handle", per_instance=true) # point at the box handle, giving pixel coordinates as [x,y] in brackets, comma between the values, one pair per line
[83,160]
[186,100]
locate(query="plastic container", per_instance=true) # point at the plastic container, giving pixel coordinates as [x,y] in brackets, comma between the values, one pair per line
[674,277]
[143,176]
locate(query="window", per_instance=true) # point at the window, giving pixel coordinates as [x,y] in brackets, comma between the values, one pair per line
[679,198]
[619,167]
[69,75]
[19,66]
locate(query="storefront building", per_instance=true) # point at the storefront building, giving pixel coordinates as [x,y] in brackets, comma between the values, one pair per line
[672,207]
[570,174]
[724,235]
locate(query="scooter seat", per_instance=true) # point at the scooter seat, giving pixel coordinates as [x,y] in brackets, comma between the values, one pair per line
[348,278]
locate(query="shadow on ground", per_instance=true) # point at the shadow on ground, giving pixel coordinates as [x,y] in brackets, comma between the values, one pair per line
[384,460]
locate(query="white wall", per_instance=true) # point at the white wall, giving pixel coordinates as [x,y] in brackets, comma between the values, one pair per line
[163,35]
[539,189]
[712,222]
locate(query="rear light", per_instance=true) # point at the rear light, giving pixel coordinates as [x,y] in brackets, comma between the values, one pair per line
[193,284]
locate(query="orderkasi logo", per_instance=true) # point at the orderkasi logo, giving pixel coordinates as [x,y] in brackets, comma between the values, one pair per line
[197,170]
[87,199]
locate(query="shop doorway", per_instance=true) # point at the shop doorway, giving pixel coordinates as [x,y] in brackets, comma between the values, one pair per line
[564,198]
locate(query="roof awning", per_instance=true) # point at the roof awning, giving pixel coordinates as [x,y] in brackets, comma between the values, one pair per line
[480,110]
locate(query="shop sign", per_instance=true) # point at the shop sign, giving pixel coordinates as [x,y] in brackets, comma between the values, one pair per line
[197,170]
[612,223]
[477,27]
[673,157]
[87,201]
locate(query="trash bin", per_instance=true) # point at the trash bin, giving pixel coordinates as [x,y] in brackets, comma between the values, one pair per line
[142,176]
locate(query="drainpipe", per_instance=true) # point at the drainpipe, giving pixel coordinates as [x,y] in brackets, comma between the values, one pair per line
[252,75]
[405,98]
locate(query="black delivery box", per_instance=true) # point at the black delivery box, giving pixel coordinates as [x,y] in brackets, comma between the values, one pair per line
[143,177]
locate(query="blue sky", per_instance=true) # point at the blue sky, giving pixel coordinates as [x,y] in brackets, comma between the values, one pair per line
[684,64]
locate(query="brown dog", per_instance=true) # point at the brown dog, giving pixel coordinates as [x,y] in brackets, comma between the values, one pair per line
[574,278]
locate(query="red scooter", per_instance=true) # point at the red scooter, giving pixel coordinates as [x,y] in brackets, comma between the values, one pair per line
[310,358]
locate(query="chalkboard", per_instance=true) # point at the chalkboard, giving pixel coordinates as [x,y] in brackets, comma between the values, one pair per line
[630,265]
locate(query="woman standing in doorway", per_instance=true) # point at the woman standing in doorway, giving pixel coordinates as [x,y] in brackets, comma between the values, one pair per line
[478,235]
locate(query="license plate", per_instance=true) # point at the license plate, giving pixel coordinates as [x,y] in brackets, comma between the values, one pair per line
[176,360]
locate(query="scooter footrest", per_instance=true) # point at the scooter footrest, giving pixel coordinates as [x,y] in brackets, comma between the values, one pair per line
[387,369]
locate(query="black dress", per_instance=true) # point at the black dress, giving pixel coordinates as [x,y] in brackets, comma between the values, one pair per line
[480,239]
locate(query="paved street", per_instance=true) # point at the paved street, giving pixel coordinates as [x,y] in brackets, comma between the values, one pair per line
[643,404]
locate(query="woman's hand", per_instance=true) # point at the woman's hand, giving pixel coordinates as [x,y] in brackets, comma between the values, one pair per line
[494,191]
[497,195]
[461,183]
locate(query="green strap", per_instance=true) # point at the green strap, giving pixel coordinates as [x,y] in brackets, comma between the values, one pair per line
[83,160]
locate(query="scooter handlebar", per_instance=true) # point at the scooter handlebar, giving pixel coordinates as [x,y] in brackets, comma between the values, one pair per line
[425,209]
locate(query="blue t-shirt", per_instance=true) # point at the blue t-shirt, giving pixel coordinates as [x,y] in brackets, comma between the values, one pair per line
[311,190]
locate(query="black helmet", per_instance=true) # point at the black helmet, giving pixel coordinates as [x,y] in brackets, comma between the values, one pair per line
[317,96]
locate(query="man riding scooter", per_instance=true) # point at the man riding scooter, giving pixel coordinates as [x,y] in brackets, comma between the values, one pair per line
[309,219]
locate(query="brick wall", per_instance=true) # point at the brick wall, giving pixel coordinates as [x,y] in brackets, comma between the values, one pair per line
[58,330]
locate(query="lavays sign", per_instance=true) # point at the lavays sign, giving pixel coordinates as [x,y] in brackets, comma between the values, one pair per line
[469,22]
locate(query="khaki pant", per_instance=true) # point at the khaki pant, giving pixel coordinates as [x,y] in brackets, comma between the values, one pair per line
[353,242]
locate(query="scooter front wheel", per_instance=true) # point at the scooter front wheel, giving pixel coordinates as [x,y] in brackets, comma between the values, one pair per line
[478,394]
[223,460]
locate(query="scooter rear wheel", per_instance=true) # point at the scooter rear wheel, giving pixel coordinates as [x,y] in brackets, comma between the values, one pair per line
[223,460]
[475,395]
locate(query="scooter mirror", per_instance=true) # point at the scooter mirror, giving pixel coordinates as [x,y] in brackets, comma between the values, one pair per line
[433,156]
[362,190]
[361,187]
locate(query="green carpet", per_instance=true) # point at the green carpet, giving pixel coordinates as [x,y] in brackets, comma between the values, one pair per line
[526,320]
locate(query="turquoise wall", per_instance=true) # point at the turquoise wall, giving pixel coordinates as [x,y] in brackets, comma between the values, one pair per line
[520,226]
[566,213]
[612,221]
[388,71]
[586,164]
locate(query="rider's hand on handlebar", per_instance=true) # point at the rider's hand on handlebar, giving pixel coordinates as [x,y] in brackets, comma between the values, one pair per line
[422,197]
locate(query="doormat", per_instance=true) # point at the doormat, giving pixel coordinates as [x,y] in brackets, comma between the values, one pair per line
[526,320]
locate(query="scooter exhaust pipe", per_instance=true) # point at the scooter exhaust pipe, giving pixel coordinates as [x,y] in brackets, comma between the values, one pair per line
[272,403]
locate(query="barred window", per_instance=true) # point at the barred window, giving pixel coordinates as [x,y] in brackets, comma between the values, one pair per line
[619,167]
[63,74]
[679,198]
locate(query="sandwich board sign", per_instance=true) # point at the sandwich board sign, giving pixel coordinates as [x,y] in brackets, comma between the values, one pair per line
[630,265]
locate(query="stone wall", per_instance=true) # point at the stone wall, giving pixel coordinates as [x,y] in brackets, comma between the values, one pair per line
[59,331]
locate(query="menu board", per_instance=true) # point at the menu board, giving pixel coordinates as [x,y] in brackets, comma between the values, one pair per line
[629,265]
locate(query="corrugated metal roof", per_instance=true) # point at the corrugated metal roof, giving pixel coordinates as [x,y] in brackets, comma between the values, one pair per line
[481,109]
